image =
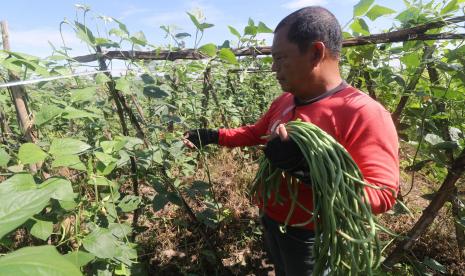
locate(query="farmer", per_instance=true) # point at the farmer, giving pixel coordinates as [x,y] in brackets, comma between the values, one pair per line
[306,51]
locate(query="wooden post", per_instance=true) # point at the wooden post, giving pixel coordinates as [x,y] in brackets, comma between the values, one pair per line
[442,195]
[443,125]
[18,96]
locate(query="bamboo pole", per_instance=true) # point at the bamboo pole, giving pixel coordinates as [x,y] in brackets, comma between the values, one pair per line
[407,34]
[19,99]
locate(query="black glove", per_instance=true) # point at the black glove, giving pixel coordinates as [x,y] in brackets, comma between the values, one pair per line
[202,137]
[286,155]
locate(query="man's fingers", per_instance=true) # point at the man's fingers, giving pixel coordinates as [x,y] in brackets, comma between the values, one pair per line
[188,143]
[282,132]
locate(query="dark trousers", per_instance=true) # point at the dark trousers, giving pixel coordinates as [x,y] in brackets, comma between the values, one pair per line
[290,252]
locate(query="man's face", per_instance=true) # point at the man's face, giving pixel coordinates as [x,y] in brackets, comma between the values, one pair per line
[293,68]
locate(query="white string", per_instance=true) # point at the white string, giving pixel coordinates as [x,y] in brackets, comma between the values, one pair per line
[31,81]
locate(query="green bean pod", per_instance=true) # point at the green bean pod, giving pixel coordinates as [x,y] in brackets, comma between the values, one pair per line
[345,229]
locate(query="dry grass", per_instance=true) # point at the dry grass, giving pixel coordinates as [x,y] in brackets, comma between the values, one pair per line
[177,248]
[174,245]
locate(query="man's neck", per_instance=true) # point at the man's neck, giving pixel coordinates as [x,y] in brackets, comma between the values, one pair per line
[322,86]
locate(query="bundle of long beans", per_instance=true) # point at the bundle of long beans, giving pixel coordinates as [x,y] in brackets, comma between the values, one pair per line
[345,228]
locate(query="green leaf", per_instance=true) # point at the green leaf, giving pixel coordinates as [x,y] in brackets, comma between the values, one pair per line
[250,22]
[227,55]
[226,44]
[105,158]
[377,11]
[67,205]
[123,84]
[156,92]
[250,30]
[208,49]
[108,146]
[139,38]
[101,78]
[37,261]
[147,79]
[204,26]
[4,158]
[79,258]
[198,188]
[434,265]
[117,32]
[84,34]
[19,207]
[120,230]
[124,158]
[159,201]
[25,57]
[69,161]
[100,181]
[67,146]
[31,62]
[194,20]
[73,113]
[409,14]
[102,244]
[433,139]
[412,59]
[47,114]
[262,28]
[42,229]
[83,94]
[452,6]
[62,188]
[104,170]
[18,182]
[182,35]
[121,26]
[129,203]
[30,153]
[174,198]
[101,41]
[13,66]
[234,32]
[360,26]
[362,7]
[446,145]
[23,200]
[157,155]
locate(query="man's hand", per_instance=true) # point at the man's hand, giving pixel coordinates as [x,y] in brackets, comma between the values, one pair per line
[285,154]
[200,137]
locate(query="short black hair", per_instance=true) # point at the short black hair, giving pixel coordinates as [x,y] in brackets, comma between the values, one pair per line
[311,24]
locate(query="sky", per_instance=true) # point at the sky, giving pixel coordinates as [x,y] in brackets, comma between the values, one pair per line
[33,23]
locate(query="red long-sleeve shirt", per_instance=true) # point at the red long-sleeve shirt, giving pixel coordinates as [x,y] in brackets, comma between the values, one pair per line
[356,121]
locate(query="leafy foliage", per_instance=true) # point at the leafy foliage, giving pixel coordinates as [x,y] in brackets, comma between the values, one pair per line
[80,201]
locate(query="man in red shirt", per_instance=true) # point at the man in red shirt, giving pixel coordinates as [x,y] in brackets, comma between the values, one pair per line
[306,50]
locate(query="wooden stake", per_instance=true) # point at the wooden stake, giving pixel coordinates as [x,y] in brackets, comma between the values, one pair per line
[19,98]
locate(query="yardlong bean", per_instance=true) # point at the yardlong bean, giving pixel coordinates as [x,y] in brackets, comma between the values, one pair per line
[345,228]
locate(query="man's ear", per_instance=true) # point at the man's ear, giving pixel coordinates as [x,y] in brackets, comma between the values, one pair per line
[319,52]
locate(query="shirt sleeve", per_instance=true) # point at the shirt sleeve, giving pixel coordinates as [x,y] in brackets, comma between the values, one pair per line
[249,135]
[372,141]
